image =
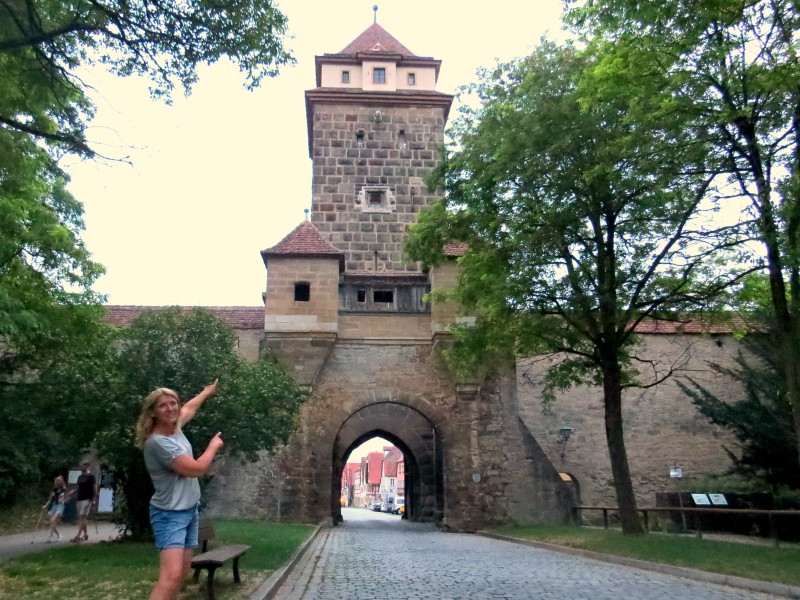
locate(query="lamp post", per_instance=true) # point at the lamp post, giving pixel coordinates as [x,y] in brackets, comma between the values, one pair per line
[563,437]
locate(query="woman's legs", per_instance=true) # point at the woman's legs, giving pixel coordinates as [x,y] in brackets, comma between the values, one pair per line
[173,570]
[176,537]
[54,526]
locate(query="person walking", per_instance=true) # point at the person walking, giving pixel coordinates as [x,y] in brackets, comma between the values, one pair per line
[86,499]
[55,506]
[174,472]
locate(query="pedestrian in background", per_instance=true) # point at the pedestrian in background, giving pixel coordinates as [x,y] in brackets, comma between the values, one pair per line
[86,500]
[55,506]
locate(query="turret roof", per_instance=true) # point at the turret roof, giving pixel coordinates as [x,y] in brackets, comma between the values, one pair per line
[304,241]
[375,39]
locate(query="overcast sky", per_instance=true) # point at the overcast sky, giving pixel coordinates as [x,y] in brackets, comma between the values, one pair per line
[225,173]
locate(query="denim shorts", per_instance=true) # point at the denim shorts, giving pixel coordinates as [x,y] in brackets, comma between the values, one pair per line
[56,509]
[174,528]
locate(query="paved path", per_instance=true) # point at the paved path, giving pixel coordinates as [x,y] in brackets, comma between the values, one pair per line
[376,556]
[25,543]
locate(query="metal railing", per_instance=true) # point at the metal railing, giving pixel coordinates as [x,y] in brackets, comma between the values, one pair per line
[696,514]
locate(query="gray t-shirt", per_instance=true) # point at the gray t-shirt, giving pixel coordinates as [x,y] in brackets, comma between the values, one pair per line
[173,491]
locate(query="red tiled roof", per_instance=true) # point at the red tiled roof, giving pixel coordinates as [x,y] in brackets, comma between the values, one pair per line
[688,324]
[455,249]
[376,39]
[238,317]
[304,241]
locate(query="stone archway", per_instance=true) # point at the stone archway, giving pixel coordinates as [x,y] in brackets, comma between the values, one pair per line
[415,435]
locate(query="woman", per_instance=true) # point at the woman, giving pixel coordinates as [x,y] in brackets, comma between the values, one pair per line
[56,506]
[170,463]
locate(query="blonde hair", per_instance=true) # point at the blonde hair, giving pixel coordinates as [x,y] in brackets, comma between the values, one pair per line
[144,424]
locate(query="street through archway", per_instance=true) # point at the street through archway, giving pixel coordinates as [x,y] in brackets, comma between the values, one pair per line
[375,555]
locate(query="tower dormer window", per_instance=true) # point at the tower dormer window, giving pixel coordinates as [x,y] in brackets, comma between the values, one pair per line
[379,75]
[345,76]
[412,79]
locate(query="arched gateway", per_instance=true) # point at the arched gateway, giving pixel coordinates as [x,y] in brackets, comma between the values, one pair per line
[416,437]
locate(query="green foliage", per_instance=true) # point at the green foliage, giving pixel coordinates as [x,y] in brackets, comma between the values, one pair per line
[41,428]
[128,569]
[752,561]
[761,422]
[254,407]
[586,209]
[42,44]
[734,70]
[88,394]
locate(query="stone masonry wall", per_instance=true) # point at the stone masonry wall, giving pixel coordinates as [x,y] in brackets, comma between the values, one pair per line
[479,434]
[386,157]
[662,426]
[320,312]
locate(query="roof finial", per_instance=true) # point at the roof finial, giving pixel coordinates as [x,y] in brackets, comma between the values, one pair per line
[305,210]
[375,10]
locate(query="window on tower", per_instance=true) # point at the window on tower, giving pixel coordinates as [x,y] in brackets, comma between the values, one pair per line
[374,199]
[302,291]
[379,75]
[412,79]
[345,76]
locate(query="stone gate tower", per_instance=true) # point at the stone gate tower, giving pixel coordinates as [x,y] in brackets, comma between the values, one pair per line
[348,316]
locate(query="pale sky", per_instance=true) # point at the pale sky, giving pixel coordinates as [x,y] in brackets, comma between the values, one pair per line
[225,173]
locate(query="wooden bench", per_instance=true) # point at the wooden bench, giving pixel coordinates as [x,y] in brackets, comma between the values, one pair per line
[211,560]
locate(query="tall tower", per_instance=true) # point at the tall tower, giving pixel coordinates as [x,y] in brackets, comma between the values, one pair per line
[375,128]
[347,315]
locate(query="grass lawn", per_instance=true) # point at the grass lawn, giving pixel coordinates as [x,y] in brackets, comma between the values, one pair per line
[752,561]
[125,570]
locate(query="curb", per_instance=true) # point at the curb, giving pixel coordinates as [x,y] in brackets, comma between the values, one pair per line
[267,589]
[753,585]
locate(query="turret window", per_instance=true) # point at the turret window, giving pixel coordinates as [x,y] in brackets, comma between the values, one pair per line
[302,291]
[345,76]
[379,75]
[412,79]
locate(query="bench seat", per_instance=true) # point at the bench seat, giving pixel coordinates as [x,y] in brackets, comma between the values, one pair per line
[213,559]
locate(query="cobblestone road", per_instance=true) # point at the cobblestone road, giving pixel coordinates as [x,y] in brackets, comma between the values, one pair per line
[376,556]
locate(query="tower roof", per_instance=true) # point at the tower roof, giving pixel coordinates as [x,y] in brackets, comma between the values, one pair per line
[305,241]
[375,39]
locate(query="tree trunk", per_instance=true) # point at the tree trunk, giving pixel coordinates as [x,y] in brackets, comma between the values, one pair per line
[790,364]
[612,401]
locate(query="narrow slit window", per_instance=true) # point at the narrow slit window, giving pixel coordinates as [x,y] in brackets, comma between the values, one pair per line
[345,76]
[360,138]
[412,79]
[362,295]
[302,291]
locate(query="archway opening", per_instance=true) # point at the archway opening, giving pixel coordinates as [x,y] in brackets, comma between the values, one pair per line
[410,464]
[374,476]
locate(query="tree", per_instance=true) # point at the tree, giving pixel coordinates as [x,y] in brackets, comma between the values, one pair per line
[582,218]
[43,43]
[44,110]
[91,396]
[761,422]
[49,393]
[254,407]
[733,68]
